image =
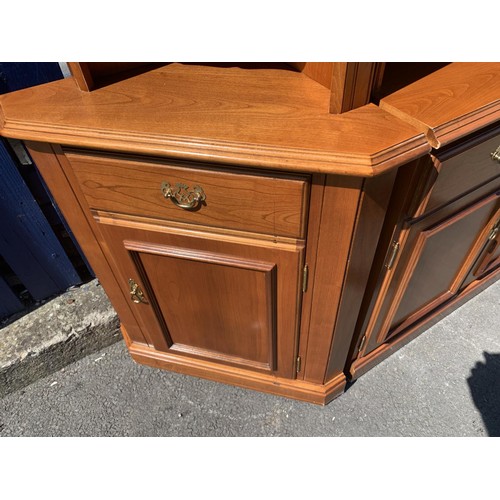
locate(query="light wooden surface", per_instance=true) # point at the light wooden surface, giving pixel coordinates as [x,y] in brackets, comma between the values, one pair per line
[281,386]
[269,203]
[340,203]
[370,216]
[320,72]
[352,84]
[268,118]
[451,102]
[224,293]
[233,300]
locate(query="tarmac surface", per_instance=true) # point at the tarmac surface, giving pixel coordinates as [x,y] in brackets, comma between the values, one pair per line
[444,383]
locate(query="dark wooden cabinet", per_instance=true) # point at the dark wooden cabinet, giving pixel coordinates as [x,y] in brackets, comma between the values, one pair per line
[440,243]
[434,258]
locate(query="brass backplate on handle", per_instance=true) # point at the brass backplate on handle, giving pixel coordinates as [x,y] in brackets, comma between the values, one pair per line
[136,294]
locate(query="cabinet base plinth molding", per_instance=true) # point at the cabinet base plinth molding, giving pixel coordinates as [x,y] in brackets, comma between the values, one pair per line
[278,227]
[294,389]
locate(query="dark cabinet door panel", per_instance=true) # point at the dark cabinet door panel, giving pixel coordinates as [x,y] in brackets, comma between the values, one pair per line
[443,254]
[437,255]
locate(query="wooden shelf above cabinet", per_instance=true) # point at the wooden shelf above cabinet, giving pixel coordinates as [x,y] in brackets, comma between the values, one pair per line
[450,103]
[263,117]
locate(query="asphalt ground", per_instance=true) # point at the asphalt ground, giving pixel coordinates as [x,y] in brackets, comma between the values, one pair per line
[444,383]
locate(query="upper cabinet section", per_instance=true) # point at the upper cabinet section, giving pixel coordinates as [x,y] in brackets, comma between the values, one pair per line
[451,102]
[260,115]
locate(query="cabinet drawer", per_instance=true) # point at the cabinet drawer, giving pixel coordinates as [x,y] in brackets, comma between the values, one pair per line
[265,203]
[463,167]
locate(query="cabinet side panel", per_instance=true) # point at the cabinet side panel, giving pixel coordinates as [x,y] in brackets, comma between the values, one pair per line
[371,214]
[49,161]
[338,217]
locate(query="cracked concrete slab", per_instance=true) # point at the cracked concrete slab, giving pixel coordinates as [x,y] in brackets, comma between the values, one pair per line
[61,331]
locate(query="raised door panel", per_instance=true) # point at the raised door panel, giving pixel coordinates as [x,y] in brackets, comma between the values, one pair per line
[234,301]
[435,260]
[489,258]
[213,305]
[443,254]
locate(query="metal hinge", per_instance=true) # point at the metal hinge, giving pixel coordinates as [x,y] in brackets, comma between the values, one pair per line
[136,294]
[362,344]
[393,253]
[298,364]
[494,231]
[305,278]
[20,151]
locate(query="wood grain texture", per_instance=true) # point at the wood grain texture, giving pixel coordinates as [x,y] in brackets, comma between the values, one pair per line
[369,221]
[439,261]
[403,192]
[488,261]
[82,75]
[338,217]
[320,72]
[451,102]
[57,174]
[272,204]
[214,306]
[267,118]
[320,394]
[212,298]
[313,229]
[451,234]
[407,207]
[352,84]
[371,359]
[462,168]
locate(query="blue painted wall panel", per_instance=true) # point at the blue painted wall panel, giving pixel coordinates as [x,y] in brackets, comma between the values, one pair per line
[27,242]
[9,303]
[21,75]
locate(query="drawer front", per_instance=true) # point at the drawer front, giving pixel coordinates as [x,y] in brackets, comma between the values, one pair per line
[462,168]
[272,204]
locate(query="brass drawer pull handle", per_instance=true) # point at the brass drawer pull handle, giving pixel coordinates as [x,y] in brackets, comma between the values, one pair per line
[495,156]
[136,294]
[182,197]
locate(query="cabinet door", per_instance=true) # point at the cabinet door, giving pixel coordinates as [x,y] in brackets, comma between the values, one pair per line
[489,258]
[434,262]
[223,299]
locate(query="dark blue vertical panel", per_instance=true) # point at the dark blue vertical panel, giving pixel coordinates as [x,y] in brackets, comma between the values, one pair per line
[65,224]
[9,303]
[27,242]
[19,75]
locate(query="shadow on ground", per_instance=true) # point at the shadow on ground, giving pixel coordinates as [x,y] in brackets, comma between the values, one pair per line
[484,385]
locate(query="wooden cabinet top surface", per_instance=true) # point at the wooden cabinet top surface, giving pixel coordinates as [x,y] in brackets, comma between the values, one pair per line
[269,118]
[451,102]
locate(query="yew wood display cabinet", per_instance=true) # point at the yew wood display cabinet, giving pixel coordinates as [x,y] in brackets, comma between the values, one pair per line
[280,227]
